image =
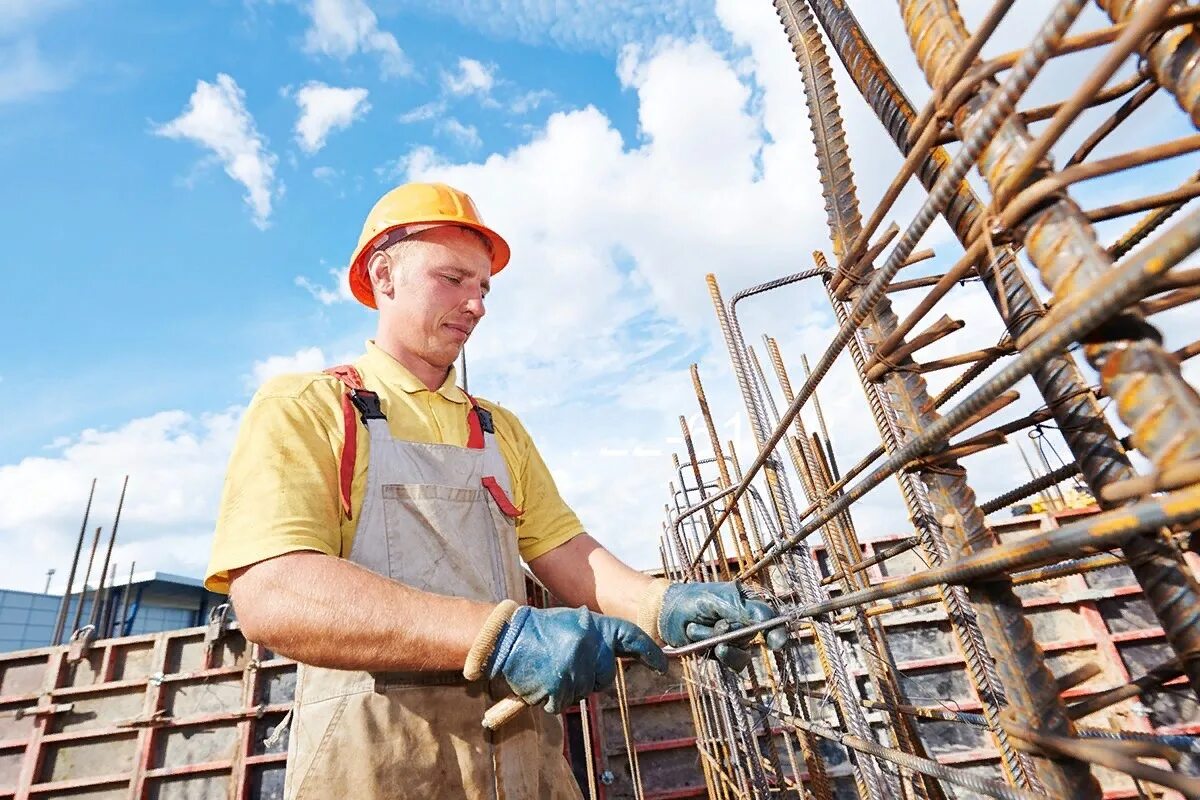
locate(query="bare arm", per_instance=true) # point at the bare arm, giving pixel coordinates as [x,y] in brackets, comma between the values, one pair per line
[582,573]
[329,612]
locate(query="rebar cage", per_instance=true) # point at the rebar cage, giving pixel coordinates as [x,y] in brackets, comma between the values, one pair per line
[831,714]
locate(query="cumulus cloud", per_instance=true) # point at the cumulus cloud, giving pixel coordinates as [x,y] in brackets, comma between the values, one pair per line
[472,77]
[308,359]
[25,73]
[342,28]
[216,119]
[176,462]
[324,109]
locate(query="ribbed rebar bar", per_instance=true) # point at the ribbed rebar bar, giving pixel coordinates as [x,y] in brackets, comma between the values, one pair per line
[1170,588]
[908,409]
[1151,397]
[1173,56]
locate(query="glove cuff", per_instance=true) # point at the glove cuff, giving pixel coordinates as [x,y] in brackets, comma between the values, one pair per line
[650,608]
[485,641]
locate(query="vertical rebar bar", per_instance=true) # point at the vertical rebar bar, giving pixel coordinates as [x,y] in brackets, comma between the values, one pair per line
[87,573]
[61,618]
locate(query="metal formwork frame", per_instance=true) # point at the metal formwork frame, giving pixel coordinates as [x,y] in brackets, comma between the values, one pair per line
[110,721]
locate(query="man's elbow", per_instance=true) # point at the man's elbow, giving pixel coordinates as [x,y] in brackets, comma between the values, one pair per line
[250,595]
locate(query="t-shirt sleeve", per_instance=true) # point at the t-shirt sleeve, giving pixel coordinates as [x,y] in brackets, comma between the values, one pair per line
[280,492]
[547,520]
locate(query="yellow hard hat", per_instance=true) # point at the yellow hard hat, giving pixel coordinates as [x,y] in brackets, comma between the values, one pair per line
[423,204]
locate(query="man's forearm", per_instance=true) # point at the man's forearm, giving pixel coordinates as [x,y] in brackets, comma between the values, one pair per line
[329,612]
[583,572]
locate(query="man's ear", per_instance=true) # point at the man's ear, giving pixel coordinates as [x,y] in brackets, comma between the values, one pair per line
[379,268]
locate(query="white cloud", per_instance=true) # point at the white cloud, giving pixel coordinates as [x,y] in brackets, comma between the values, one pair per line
[473,77]
[324,109]
[216,118]
[25,73]
[423,113]
[339,292]
[466,135]
[308,359]
[175,461]
[326,174]
[341,28]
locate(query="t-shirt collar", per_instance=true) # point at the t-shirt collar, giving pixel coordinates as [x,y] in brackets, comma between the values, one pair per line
[391,372]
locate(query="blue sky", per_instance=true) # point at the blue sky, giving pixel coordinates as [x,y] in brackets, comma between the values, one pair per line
[184,182]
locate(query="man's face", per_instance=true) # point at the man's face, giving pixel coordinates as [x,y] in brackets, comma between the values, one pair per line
[439,279]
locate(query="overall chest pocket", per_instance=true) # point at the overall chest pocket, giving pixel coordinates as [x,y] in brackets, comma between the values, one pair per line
[443,539]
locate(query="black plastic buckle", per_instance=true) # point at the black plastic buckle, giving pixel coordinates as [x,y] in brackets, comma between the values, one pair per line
[485,419]
[367,404]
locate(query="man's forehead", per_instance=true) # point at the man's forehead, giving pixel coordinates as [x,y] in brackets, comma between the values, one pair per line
[449,253]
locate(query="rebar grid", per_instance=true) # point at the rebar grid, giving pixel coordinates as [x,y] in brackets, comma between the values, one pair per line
[769,733]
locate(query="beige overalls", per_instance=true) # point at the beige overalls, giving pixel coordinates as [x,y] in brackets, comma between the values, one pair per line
[436,517]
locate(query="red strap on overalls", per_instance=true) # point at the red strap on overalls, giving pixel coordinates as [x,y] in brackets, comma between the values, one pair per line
[475,441]
[350,378]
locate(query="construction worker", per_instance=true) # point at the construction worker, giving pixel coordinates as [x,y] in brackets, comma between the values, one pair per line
[372,527]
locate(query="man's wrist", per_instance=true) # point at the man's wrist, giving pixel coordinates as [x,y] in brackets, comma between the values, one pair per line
[485,641]
[650,608]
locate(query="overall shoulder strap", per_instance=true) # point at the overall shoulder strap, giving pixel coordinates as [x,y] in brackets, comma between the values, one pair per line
[355,396]
[479,422]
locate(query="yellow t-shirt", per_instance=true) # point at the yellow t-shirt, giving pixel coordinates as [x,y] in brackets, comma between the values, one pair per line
[281,489]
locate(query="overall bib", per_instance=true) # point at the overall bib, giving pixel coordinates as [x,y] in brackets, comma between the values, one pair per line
[438,518]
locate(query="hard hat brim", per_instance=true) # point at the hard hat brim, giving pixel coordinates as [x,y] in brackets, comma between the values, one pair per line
[360,282]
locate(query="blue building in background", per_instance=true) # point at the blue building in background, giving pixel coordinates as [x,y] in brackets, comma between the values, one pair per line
[151,602]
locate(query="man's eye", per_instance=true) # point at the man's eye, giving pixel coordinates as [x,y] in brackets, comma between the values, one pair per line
[453,279]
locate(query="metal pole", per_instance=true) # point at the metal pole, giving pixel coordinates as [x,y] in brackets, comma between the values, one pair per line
[94,617]
[86,575]
[61,618]
[125,600]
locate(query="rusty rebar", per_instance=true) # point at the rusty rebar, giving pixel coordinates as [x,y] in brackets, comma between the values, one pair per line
[1170,588]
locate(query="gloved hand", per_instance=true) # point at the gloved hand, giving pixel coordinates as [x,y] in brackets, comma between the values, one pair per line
[558,656]
[690,612]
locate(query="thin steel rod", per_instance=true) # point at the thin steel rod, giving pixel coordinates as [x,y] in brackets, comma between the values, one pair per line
[124,629]
[1091,535]
[84,588]
[1031,488]
[94,616]
[61,617]
[1107,296]
[1174,199]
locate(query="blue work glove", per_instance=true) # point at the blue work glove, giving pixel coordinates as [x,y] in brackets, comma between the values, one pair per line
[558,656]
[692,612]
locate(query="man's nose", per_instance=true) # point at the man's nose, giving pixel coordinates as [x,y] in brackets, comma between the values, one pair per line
[474,305]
